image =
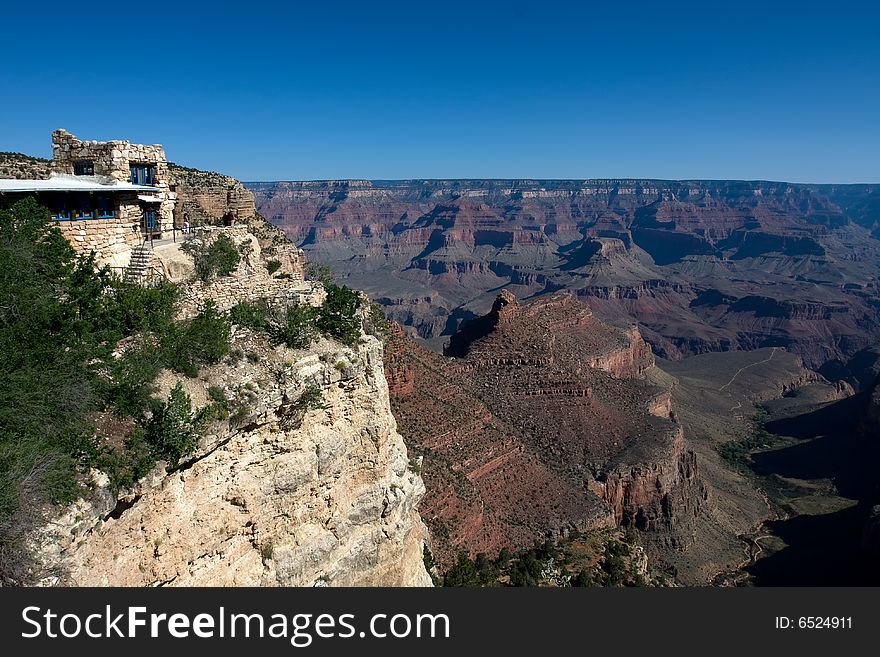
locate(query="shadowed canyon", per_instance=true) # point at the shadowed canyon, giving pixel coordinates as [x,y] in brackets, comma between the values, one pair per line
[573,355]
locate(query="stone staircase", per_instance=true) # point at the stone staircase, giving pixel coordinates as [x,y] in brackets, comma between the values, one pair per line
[140,266]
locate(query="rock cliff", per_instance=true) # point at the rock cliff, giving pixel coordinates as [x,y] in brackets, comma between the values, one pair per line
[542,419]
[206,196]
[279,494]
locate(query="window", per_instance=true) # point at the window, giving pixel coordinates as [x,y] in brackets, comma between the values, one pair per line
[84,209]
[149,220]
[60,211]
[141,174]
[84,168]
[105,208]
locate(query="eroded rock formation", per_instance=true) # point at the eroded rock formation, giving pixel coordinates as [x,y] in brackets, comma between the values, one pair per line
[699,265]
[541,419]
[278,494]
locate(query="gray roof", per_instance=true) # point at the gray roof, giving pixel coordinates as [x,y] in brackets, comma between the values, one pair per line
[64,183]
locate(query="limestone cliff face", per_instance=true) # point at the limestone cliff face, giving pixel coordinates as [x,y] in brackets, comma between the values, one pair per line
[206,196]
[631,361]
[278,495]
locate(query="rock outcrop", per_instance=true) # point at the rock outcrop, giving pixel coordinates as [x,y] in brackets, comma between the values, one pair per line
[539,420]
[303,481]
[277,495]
[207,196]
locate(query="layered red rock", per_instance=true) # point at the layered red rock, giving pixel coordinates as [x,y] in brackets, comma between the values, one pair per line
[541,419]
[699,265]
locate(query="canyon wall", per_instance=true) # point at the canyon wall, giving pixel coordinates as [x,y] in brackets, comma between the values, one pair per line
[699,265]
[543,420]
[279,496]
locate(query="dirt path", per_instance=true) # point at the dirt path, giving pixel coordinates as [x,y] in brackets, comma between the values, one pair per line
[741,369]
[752,549]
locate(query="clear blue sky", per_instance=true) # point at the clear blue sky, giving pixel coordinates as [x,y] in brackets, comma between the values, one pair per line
[313,90]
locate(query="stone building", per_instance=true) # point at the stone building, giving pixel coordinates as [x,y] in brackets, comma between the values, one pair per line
[107,197]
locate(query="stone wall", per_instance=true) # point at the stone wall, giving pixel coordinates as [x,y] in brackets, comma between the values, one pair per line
[250,282]
[110,239]
[111,159]
[227,291]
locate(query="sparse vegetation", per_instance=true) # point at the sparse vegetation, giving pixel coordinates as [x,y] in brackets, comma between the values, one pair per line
[272,266]
[601,558]
[174,430]
[204,339]
[375,323]
[219,258]
[317,272]
[430,565]
[218,409]
[253,315]
[299,330]
[337,317]
[312,399]
[738,453]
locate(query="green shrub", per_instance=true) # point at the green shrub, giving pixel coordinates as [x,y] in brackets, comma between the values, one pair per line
[218,408]
[54,341]
[131,382]
[312,399]
[235,355]
[137,307]
[174,431]
[219,258]
[204,339]
[337,317]
[272,266]
[463,574]
[318,272]
[375,323]
[126,467]
[299,330]
[252,315]
[737,453]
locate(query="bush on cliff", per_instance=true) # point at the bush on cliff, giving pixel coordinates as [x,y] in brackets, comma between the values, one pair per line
[375,323]
[254,315]
[48,380]
[219,258]
[61,319]
[174,430]
[299,329]
[204,339]
[337,317]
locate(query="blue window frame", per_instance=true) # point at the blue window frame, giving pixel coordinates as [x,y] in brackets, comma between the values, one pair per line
[149,220]
[141,174]
[105,207]
[84,209]
[61,213]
